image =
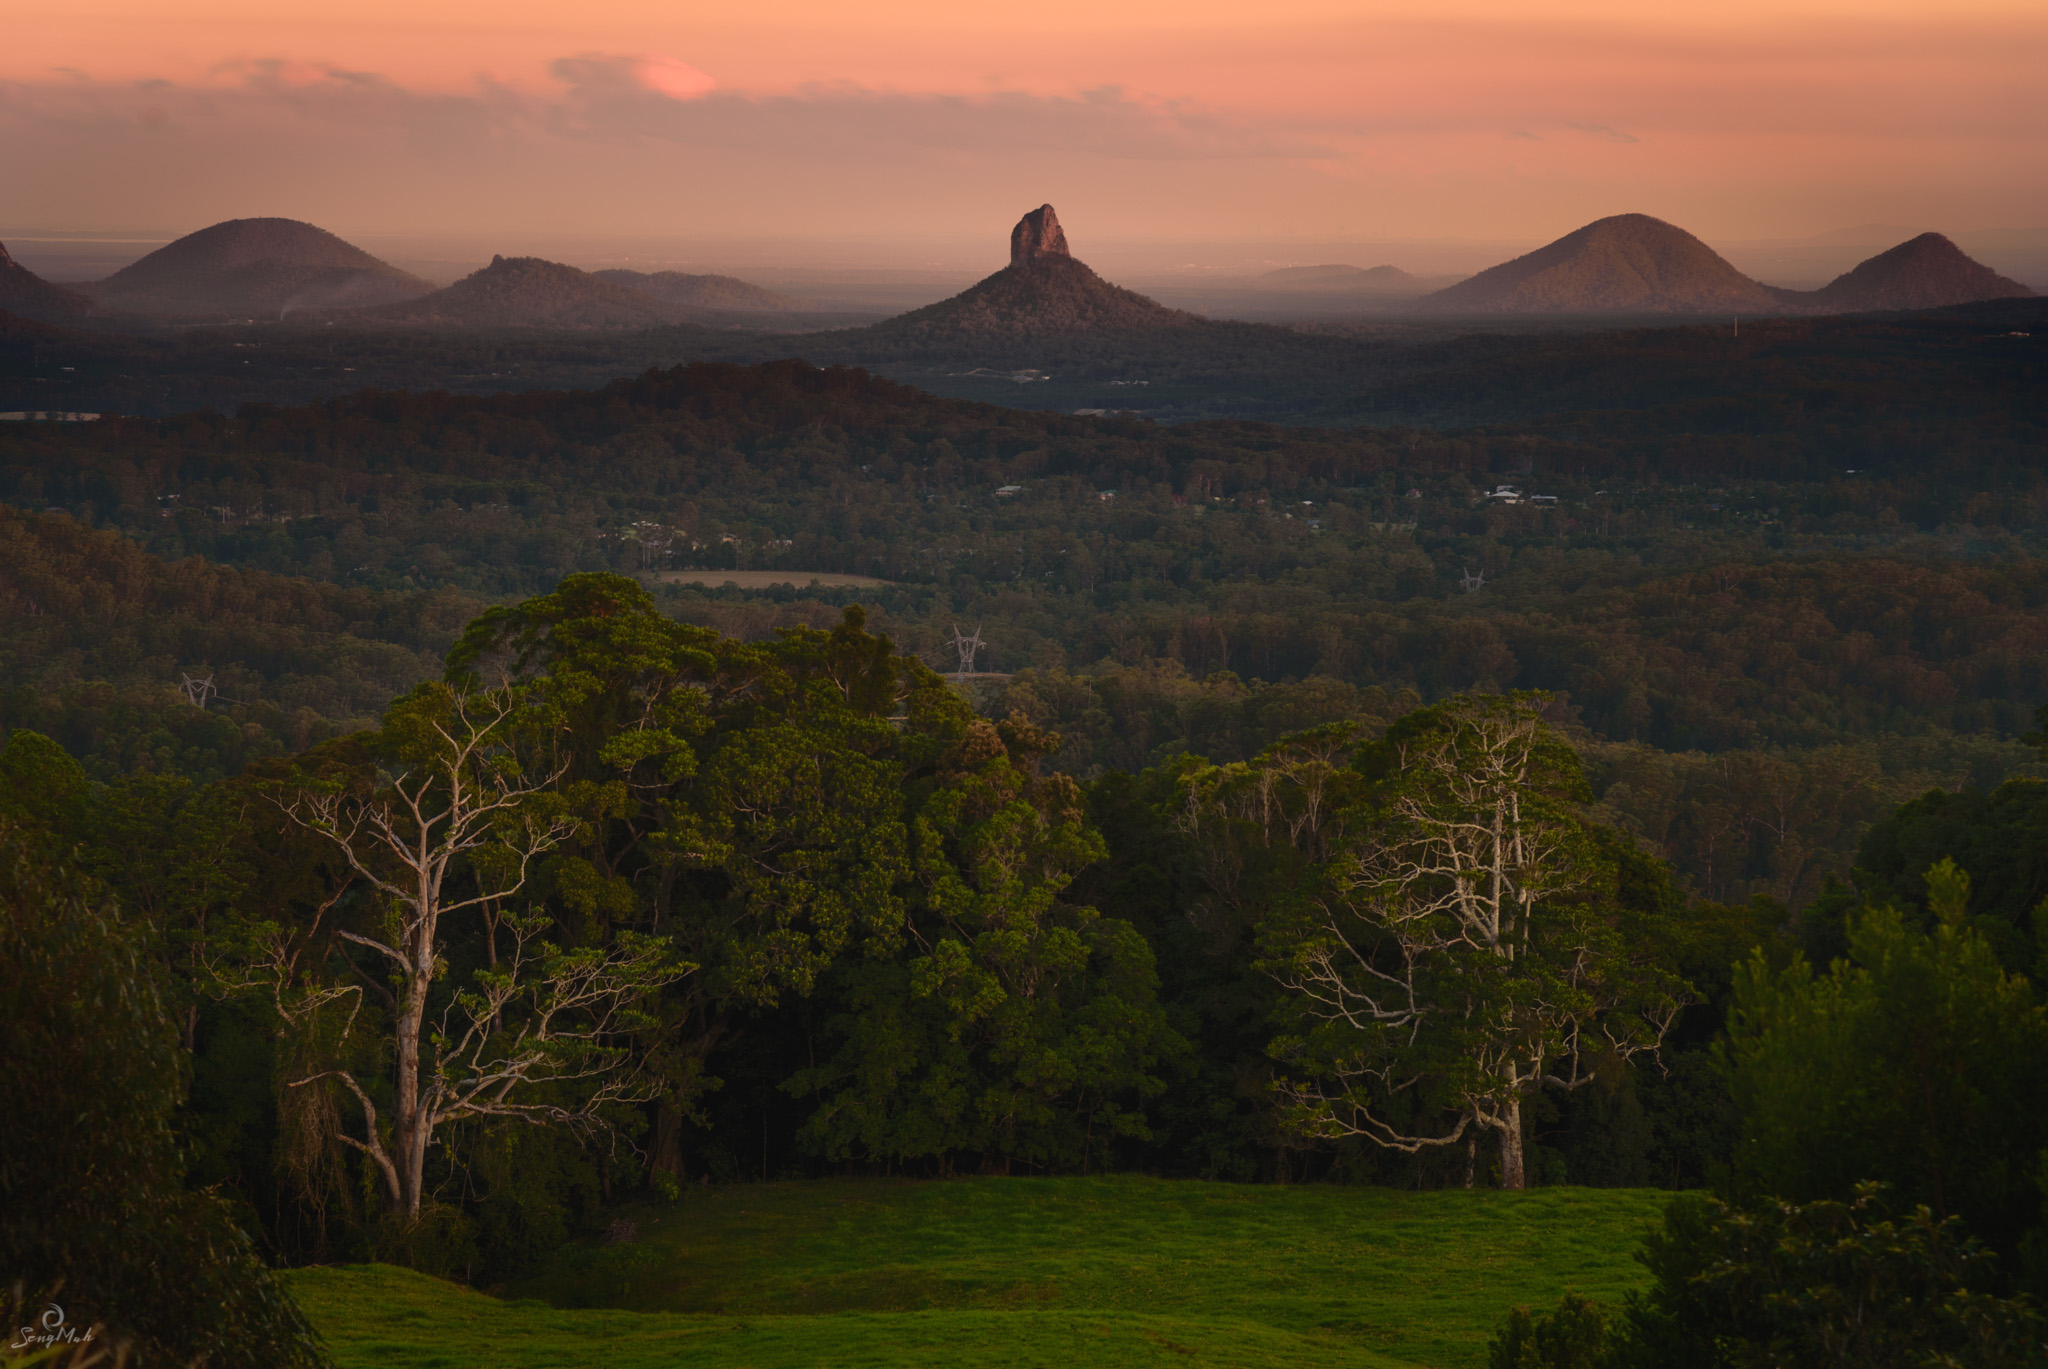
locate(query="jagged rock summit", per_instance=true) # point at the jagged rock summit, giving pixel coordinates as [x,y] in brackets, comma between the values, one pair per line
[1044,293]
[254,267]
[1038,234]
[1927,272]
[1627,264]
[27,295]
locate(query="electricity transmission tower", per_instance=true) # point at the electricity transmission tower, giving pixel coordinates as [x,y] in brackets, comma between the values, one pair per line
[1472,583]
[967,647]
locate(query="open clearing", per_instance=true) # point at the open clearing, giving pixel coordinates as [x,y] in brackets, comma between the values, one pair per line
[1056,1272]
[762,579]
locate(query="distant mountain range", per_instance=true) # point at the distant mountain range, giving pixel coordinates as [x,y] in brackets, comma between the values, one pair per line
[1634,264]
[1046,312]
[1630,264]
[276,268]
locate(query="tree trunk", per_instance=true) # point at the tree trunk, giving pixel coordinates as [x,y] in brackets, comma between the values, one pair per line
[666,1154]
[408,1130]
[1512,1175]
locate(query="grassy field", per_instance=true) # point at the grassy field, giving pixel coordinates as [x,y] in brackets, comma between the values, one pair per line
[1067,1272]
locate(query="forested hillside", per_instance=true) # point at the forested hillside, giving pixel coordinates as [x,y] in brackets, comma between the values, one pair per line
[784,466]
[191,668]
[1695,599]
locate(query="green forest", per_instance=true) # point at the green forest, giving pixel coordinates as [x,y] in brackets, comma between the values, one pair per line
[414,854]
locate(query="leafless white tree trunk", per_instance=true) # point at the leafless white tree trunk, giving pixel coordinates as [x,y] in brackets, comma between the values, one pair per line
[458,830]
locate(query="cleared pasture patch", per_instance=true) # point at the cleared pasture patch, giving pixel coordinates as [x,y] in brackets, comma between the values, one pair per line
[1119,1270]
[764,579]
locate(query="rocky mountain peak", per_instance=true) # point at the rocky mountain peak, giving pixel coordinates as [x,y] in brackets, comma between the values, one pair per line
[1045,294]
[1037,234]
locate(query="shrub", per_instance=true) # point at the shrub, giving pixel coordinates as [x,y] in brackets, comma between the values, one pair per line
[97,1216]
[1576,1336]
[1775,1285]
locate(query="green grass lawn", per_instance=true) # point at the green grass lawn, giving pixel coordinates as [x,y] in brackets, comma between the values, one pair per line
[1066,1272]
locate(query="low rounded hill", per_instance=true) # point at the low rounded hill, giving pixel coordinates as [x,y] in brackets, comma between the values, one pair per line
[1627,264]
[532,292]
[254,267]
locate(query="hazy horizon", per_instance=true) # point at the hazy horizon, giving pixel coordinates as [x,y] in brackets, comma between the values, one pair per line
[894,272]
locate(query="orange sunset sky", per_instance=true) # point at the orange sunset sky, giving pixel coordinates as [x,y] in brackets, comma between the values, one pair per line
[1161,121]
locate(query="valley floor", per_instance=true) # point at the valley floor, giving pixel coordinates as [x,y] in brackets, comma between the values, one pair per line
[1067,1272]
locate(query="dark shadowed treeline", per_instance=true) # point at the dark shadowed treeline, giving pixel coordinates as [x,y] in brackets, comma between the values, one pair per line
[1797,390]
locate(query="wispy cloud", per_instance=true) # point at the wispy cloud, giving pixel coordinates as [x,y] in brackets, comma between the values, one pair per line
[603,97]
[609,98]
[1602,131]
[614,139]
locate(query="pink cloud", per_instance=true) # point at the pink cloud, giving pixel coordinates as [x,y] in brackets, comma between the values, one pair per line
[676,79]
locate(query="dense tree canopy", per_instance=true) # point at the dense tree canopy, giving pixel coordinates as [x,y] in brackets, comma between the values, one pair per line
[1917,1060]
